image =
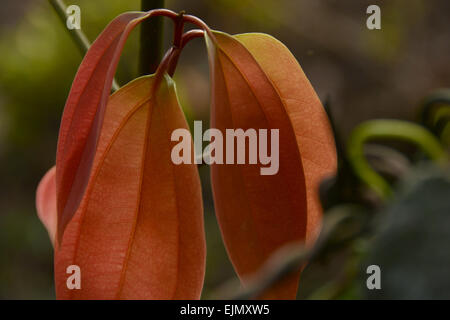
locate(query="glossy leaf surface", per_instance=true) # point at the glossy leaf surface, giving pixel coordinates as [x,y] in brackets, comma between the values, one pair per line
[258,84]
[138,232]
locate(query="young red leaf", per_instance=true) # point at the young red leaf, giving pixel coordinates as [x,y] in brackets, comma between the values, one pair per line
[138,232]
[258,84]
[46,203]
[309,119]
[83,114]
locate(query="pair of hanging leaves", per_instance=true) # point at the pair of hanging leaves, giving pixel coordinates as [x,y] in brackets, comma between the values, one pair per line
[118,207]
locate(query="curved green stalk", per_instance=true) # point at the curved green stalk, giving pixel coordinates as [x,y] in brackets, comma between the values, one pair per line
[435,113]
[388,129]
[433,101]
[442,112]
[441,123]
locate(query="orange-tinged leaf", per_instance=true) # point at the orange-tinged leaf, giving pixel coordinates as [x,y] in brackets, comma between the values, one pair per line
[259,214]
[84,112]
[46,202]
[138,232]
[309,119]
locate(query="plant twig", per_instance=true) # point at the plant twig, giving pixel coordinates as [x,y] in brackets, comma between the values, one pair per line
[77,35]
[151,39]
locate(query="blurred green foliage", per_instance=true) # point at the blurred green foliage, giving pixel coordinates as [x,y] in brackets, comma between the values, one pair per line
[413,237]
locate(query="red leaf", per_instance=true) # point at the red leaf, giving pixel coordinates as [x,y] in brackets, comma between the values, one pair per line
[46,203]
[257,84]
[84,112]
[138,232]
[312,128]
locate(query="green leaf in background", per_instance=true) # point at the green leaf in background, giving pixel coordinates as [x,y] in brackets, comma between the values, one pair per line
[412,246]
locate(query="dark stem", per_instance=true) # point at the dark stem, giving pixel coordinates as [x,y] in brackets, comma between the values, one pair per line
[180,42]
[151,40]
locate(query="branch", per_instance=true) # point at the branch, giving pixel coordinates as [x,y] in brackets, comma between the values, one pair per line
[77,35]
[151,40]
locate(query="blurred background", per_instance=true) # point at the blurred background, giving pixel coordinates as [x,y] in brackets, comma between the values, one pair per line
[363,73]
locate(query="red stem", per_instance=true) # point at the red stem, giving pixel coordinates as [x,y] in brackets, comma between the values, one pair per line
[179,28]
[188,36]
[176,17]
[192,34]
[169,62]
[166,64]
[199,23]
[164,13]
